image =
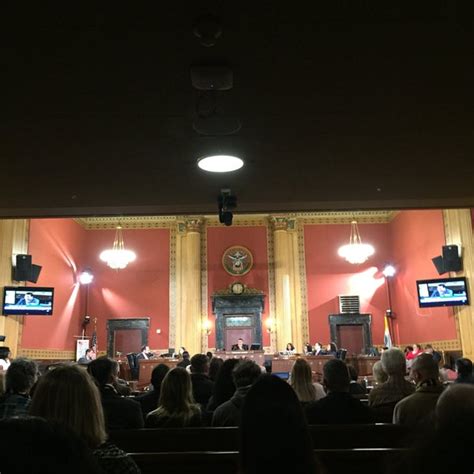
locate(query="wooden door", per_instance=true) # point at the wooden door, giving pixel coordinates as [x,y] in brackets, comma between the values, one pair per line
[351,338]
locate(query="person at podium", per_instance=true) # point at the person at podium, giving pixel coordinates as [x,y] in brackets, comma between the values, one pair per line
[240,346]
[145,353]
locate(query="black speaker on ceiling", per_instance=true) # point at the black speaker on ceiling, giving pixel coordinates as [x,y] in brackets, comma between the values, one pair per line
[451,259]
[439,264]
[35,273]
[23,268]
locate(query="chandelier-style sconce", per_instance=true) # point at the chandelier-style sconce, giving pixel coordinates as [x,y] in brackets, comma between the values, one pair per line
[206,327]
[355,251]
[118,257]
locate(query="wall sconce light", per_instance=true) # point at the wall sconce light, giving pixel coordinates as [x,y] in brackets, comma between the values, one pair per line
[207,327]
[269,323]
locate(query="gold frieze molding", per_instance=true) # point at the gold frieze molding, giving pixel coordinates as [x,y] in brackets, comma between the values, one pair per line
[243,220]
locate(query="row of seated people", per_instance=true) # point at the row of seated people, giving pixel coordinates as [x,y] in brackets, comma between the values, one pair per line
[70,396]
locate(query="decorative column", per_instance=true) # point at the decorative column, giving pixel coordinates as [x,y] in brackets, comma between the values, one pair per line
[13,241]
[188,285]
[288,313]
[458,231]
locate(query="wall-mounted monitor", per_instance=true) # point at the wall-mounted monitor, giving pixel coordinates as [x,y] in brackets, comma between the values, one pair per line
[442,292]
[28,301]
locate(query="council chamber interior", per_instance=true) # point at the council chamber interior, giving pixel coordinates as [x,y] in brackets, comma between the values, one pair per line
[179,290]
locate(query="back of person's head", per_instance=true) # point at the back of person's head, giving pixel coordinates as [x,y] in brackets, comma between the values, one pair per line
[21,376]
[186,355]
[68,395]
[4,352]
[199,364]
[214,366]
[158,374]
[301,380]
[245,373]
[394,362]
[424,367]
[353,374]
[455,408]
[176,395]
[209,355]
[408,349]
[271,406]
[417,347]
[379,374]
[102,370]
[464,367]
[224,386]
[336,376]
[35,446]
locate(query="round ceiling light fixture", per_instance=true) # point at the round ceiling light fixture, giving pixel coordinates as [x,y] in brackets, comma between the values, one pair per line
[220,163]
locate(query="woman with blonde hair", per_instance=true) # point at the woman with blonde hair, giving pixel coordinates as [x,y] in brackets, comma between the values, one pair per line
[67,395]
[301,379]
[176,407]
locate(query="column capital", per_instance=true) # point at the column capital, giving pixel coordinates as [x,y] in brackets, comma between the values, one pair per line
[191,225]
[285,223]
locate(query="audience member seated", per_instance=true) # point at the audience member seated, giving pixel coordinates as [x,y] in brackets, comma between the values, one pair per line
[419,407]
[436,355]
[185,362]
[301,379]
[5,358]
[383,398]
[272,407]
[214,366]
[411,353]
[245,374]
[209,356]
[176,408]
[379,375]
[447,374]
[32,445]
[20,378]
[149,400]
[448,447]
[67,395]
[339,406]
[121,385]
[120,413]
[354,387]
[201,383]
[464,371]
[224,386]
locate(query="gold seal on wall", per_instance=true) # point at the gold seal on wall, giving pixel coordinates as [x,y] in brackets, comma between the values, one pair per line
[237,260]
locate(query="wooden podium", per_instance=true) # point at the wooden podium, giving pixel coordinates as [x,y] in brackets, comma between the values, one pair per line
[146,366]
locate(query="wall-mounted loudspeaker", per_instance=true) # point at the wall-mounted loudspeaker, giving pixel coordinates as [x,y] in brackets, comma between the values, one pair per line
[451,259]
[23,268]
[439,264]
[35,273]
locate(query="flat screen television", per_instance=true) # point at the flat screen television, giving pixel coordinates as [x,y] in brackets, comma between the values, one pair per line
[28,301]
[442,292]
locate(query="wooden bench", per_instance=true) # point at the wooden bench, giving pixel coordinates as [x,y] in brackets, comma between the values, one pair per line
[334,461]
[227,439]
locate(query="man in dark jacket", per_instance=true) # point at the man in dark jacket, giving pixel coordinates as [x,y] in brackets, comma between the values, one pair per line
[339,406]
[202,384]
[464,370]
[120,412]
[245,374]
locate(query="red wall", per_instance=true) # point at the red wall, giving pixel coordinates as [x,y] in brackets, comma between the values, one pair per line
[221,238]
[58,246]
[328,276]
[64,248]
[140,290]
[418,237]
